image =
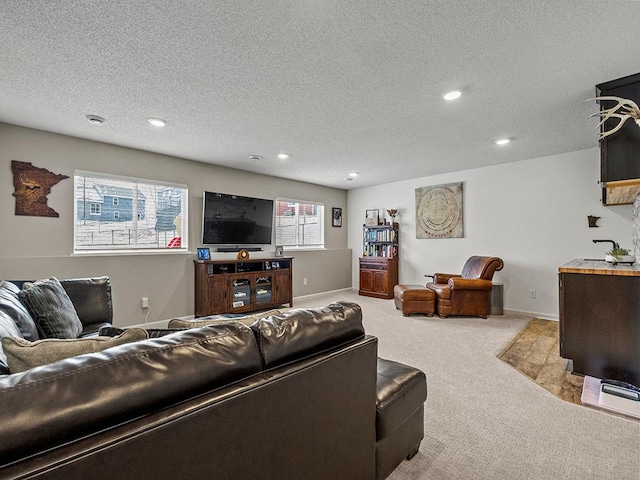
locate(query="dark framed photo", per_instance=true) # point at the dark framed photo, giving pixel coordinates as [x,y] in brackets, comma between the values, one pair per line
[336,217]
[204,253]
[372,217]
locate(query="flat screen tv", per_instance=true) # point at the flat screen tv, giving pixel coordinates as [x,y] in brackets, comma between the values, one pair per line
[236,220]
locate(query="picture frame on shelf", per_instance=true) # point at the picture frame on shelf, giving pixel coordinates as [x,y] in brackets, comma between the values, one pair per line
[372,217]
[204,253]
[279,251]
[336,217]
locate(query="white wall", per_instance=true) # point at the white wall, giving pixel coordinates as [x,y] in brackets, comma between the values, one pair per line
[532,214]
[39,247]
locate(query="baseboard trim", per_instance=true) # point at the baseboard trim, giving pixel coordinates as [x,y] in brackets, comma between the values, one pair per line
[312,295]
[523,313]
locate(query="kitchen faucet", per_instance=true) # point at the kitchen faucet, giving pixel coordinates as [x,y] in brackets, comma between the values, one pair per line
[615,244]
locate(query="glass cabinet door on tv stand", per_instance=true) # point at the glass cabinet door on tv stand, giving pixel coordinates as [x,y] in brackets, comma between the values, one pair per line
[241,292]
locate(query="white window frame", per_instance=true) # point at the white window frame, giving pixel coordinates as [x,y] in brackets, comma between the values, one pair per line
[130,182]
[293,203]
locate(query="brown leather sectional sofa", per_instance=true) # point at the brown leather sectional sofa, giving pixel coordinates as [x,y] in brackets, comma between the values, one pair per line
[292,396]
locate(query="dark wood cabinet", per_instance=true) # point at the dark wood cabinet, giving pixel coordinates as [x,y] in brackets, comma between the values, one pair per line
[600,324]
[378,276]
[242,286]
[379,264]
[620,152]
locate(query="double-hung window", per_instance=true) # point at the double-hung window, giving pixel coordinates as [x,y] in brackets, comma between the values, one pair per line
[299,223]
[114,214]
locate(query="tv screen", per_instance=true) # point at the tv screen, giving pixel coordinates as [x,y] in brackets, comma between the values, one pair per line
[235,220]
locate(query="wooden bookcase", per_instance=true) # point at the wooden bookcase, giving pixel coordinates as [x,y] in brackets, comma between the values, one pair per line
[242,286]
[379,261]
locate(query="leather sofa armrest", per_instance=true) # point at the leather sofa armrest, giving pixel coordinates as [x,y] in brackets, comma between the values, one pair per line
[459,283]
[443,277]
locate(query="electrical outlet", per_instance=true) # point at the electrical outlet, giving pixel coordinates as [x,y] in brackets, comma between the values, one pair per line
[532,293]
[304,281]
[145,302]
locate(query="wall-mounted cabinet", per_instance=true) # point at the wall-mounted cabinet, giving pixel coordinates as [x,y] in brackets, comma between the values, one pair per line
[620,151]
[242,286]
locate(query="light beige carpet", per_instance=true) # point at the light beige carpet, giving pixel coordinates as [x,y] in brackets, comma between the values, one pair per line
[483,419]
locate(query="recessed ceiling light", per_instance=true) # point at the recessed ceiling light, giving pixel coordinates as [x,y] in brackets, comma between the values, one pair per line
[452,95]
[283,156]
[95,120]
[502,141]
[255,157]
[157,122]
[354,174]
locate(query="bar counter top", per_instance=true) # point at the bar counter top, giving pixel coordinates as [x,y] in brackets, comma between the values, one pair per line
[600,267]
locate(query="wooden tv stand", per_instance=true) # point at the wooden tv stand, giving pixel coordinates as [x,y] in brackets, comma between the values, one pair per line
[242,286]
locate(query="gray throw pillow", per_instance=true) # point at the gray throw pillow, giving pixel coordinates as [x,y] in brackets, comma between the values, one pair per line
[51,309]
[11,305]
[23,355]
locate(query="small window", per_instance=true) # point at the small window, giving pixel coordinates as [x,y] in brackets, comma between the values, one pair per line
[299,223]
[150,215]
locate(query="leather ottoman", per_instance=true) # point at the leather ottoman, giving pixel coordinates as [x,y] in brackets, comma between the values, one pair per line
[414,299]
[401,391]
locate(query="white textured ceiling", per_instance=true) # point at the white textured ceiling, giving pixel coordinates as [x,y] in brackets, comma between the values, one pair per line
[342,85]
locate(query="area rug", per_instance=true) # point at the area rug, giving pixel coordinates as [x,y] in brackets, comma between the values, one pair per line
[535,352]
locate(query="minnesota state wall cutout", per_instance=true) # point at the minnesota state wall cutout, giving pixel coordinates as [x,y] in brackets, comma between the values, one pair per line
[31,187]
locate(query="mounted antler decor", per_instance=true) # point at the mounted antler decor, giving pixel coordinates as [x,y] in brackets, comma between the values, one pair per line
[627,109]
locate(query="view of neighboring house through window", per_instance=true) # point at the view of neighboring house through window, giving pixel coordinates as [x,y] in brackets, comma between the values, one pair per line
[299,223]
[120,213]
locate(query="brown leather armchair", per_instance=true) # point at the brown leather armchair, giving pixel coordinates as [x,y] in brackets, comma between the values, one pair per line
[467,293]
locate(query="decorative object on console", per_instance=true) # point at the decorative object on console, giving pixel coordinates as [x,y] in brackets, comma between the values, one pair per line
[439,211]
[243,254]
[336,217]
[619,255]
[372,217]
[392,213]
[593,221]
[204,253]
[31,187]
[279,251]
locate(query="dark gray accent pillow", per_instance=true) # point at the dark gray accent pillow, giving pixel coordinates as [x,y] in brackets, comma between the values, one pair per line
[23,355]
[11,305]
[51,309]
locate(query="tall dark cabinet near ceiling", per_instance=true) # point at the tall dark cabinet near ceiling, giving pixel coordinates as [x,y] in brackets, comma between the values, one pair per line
[619,152]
